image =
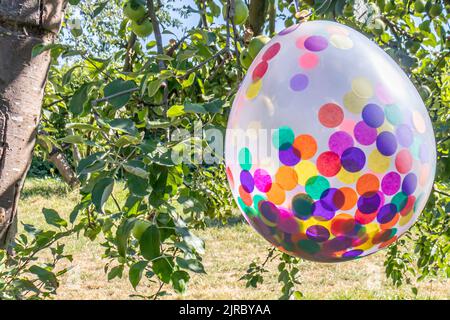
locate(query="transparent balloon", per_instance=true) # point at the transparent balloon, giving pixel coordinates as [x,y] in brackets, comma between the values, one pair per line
[330,152]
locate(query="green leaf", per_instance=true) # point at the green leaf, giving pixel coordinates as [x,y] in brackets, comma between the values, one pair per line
[116,87]
[135,273]
[52,217]
[115,272]
[153,86]
[137,171]
[101,192]
[191,264]
[79,99]
[44,275]
[40,48]
[74,139]
[123,125]
[122,235]
[179,281]
[191,240]
[175,111]
[188,82]
[194,108]
[99,8]
[163,268]
[150,243]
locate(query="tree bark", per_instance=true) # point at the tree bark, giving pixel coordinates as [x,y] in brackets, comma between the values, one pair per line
[23,24]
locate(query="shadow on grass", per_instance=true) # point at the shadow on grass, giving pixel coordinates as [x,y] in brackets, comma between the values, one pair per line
[230,222]
[45,188]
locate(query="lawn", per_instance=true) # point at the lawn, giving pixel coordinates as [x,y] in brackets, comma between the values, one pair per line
[229,250]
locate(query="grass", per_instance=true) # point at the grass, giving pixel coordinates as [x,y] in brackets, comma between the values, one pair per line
[229,251]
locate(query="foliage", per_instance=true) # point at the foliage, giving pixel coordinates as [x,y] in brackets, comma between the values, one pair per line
[25,275]
[116,99]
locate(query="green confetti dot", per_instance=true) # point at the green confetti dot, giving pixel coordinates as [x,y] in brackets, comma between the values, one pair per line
[400,200]
[316,185]
[393,114]
[245,159]
[283,138]
[415,147]
[302,205]
[256,200]
[309,246]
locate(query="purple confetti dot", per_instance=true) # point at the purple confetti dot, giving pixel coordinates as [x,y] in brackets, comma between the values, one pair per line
[269,211]
[290,156]
[404,135]
[247,181]
[316,43]
[318,233]
[352,253]
[365,134]
[386,143]
[369,202]
[299,82]
[409,183]
[321,212]
[353,159]
[390,183]
[340,141]
[386,213]
[373,115]
[288,30]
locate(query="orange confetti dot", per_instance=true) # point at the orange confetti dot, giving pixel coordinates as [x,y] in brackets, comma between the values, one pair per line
[276,194]
[307,146]
[286,177]
[367,183]
[350,198]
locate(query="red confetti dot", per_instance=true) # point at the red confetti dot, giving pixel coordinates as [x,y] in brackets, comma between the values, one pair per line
[328,164]
[260,70]
[331,115]
[365,218]
[230,177]
[403,161]
[271,52]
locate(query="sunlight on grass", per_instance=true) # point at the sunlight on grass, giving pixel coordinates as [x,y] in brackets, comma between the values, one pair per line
[229,250]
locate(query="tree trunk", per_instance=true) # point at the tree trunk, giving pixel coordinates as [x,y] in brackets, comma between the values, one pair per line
[23,24]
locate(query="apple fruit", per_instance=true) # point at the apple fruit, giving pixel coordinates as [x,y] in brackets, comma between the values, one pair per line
[133,10]
[424,92]
[419,6]
[435,10]
[256,44]
[143,29]
[240,14]
[245,58]
[139,228]
[378,27]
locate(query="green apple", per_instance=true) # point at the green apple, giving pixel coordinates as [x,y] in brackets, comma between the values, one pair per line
[133,10]
[143,29]
[256,44]
[424,92]
[139,228]
[435,10]
[245,58]
[348,10]
[419,6]
[240,14]
[378,27]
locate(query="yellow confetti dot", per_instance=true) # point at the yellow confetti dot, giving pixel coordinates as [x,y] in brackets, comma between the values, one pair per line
[407,218]
[253,89]
[419,122]
[354,103]
[362,87]
[341,41]
[377,162]
[305,170]
[386,126]
[347,177]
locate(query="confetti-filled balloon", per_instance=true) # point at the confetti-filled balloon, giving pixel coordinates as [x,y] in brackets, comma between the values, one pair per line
[330,152]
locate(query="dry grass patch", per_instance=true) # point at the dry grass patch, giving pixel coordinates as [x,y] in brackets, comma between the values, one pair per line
[229,251]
